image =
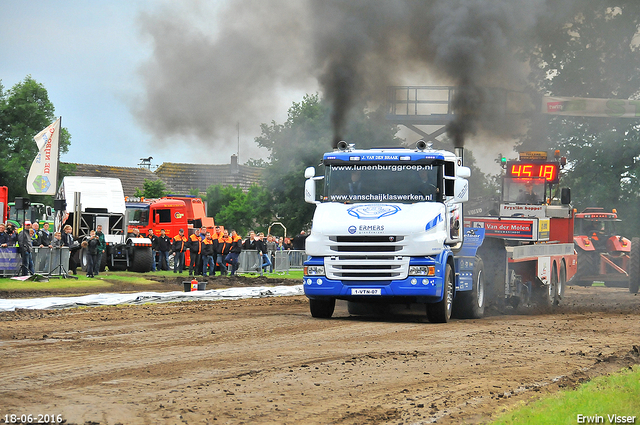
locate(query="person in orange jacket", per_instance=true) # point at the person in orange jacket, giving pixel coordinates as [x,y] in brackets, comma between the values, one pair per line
[180,245]
[222,246]
[195,252]
[208,253]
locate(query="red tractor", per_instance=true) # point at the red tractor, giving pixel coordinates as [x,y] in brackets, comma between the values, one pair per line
[603,255]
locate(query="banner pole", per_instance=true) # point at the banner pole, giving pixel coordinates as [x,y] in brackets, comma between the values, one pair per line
[58,162]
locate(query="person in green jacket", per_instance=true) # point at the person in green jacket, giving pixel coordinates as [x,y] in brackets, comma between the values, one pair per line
[102,246]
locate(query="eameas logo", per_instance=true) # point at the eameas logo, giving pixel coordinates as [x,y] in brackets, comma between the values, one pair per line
[372,211]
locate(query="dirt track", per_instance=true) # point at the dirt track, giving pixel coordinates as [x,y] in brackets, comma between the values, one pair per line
[268,361]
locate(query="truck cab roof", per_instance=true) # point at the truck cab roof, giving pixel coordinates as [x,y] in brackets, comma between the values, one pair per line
[399,155]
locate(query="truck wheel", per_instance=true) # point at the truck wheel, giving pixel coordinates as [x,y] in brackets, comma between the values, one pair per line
[142,256]
[546,294]
[586,267]
[103,262]
[84,253]
[634,266]
[440,312]
[470,304]
[322,308]
[494,257]
[562,282]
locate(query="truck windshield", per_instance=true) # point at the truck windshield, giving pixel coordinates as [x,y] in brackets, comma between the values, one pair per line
[138,216]
[524,191]
[405,183]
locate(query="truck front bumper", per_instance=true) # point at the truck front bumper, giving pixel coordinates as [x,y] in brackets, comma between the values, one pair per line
[413,286]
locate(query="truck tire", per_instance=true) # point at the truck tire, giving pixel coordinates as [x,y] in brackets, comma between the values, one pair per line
[546,294]
[103,262]
[470,304]
[586,267]
[562,282]
[440,312]
[634,266]
[84,253]
[494,257]
[322,309]
[142,257]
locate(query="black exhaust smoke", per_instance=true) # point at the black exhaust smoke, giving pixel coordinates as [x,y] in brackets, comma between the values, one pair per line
[202,79]
[363,46]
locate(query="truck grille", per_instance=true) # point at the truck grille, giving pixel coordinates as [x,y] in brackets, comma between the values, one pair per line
[367,258]
[366,268]
[385,245]
[367,239]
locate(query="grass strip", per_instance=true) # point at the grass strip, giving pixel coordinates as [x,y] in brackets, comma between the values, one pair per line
[604,400]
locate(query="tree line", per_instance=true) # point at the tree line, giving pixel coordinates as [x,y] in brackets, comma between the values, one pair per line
[594,54]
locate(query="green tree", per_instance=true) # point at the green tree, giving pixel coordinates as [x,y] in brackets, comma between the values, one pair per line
[300,142]
[595,54]
[152,189]
[24,111]
[233,208]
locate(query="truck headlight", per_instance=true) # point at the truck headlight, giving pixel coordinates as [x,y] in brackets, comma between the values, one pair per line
[422,270]
[314,270]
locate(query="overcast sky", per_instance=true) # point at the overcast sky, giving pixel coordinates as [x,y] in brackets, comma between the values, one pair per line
[173,79]
[88,55]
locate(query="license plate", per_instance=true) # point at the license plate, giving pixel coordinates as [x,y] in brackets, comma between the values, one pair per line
[366,291]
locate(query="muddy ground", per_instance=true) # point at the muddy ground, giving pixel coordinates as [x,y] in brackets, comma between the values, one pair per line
[267,361]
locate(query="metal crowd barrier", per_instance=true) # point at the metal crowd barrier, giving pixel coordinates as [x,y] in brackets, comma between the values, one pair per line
[45,260]
[283,261]
[250,262]
[296,258]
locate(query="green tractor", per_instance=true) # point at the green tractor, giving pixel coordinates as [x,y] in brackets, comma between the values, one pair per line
[35,212]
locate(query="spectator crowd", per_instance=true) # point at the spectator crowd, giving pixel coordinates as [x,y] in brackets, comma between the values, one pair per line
[209,252]
[217,251]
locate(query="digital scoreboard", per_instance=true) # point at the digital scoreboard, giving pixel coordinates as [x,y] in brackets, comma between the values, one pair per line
[533,170]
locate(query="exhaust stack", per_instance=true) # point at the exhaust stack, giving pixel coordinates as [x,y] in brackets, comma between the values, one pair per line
[459,151]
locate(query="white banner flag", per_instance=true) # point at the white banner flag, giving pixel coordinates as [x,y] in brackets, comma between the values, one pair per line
[43,174]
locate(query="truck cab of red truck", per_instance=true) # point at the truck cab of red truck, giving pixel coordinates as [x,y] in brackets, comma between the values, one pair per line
[170,213]
[157,214]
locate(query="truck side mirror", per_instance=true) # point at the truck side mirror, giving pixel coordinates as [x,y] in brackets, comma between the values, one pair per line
[565,196]
[310,190]
[309,172]
[462,190]
[464,172]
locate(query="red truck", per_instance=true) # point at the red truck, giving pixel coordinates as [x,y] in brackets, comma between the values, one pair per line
[170,213]
[528,248]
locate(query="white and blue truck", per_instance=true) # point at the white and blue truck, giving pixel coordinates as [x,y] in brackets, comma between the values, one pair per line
[388,229]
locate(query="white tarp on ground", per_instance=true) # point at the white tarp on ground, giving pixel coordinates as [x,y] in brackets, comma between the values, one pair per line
[148,297]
